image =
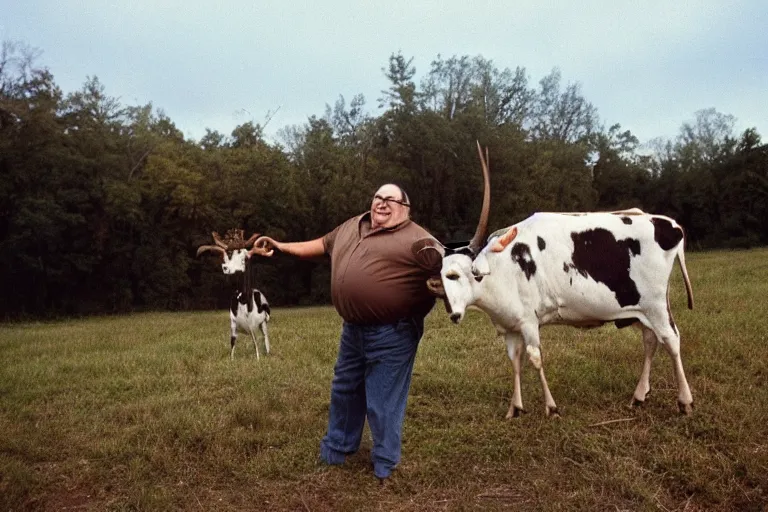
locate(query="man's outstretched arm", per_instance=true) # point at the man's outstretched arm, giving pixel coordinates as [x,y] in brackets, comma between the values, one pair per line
[265,246]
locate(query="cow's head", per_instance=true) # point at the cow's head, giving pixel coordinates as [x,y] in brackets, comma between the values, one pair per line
[233,249]
[456,275]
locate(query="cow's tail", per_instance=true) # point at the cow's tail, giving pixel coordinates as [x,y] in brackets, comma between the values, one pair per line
[681,260]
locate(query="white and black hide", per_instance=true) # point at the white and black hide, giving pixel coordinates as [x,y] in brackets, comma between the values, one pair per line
[579,269]
[582,269]
[249,310]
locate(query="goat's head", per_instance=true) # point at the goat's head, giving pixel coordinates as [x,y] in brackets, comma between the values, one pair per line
[233,249]
[457,278]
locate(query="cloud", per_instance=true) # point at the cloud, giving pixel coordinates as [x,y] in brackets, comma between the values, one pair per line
[647,65]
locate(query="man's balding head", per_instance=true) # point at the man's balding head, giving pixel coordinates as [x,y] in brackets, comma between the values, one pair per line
[390,206]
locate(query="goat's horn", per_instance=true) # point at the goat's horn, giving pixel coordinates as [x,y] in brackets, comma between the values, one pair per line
[252,239]
[482,225]
[218,240]
[203,248]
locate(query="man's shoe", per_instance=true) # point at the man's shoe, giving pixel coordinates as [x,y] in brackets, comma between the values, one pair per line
[331,457]
[382,476]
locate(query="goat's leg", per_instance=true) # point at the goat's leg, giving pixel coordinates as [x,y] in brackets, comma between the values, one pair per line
[263,328]
[255,344]
[232,337]
[515,352]
[530,334]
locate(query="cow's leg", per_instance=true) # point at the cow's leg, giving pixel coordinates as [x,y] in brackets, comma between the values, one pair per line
[263,327]
[663,326]
[644,385]
[515,352]
[255,344]
[232,337]
[530,334]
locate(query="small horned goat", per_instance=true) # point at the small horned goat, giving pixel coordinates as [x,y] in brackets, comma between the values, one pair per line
[249,308]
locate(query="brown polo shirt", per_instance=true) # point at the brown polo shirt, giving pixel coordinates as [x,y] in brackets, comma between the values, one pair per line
[379,276]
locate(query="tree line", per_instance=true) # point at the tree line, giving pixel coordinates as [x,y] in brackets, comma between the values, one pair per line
[102,205]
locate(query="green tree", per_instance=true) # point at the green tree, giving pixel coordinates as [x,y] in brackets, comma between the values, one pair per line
[38,202]
[562,114]
[618,180]
[742,194]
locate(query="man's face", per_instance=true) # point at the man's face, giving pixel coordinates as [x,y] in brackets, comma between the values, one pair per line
[388,208]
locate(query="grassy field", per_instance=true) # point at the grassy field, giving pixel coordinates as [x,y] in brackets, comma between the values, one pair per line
[146,412]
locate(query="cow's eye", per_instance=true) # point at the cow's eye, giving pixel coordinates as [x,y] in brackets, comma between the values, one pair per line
[453,276]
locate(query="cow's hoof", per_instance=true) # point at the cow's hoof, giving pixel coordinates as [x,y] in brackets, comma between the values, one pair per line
[685,409]
[516,412]
[553,412]
[636,402]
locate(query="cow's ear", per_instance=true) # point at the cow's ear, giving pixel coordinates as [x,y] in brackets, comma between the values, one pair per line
[504,240]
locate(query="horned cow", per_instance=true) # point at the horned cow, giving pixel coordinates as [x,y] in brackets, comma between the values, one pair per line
[579,269]
[249,309]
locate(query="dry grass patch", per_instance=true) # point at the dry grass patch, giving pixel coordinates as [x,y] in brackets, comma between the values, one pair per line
[146,412]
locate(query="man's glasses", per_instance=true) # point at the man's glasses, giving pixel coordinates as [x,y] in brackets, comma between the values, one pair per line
[389,201]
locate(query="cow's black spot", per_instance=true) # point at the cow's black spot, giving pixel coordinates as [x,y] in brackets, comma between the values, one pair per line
[521,254]
[626,220]
[567,267]
[665,234]
[633,245]
[597,253]
[624,322]
[542,244]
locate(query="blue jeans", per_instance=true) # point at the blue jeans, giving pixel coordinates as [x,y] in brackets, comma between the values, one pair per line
[371,378]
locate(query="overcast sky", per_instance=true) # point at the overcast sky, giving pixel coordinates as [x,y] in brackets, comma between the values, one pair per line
[648,65]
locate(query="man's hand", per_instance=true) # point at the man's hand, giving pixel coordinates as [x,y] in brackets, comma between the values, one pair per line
[264,246]
[435,286]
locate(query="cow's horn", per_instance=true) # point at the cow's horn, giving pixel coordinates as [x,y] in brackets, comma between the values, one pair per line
[482,226]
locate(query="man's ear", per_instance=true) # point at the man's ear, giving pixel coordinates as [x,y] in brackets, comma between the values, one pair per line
[504,240]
